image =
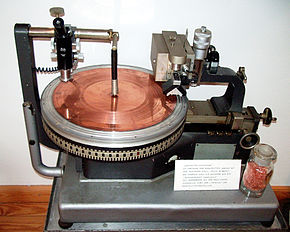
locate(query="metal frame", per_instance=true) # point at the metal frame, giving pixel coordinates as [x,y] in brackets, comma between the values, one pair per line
[124,200]
[232,100]
[24,35]
[53,217]
[31,106]
[27,70]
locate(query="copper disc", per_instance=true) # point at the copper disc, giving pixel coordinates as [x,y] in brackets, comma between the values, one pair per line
[86,100]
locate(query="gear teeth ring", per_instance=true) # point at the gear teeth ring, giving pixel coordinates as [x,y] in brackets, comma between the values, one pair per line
[99,153]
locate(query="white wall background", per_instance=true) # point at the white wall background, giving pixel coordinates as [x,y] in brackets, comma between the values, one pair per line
[254,34]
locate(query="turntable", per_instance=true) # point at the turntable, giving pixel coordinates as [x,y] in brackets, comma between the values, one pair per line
[120,128]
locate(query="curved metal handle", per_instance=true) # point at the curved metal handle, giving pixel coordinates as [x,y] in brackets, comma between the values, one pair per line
[34,148]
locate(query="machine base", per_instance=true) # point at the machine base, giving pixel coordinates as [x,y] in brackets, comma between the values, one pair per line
[111,205]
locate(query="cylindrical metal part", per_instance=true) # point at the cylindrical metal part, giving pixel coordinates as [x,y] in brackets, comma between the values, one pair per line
[201,42]
[115,41]
[176,67]
[65,75]
[97,35]
[115,89]
[94,35]
[34,148]
[41,32]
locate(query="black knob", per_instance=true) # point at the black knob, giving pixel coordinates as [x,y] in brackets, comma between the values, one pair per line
[58,24]
[267,116]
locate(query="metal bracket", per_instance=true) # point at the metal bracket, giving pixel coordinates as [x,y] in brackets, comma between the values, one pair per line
[232,100]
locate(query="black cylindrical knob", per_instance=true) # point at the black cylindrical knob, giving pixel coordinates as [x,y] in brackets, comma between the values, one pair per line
[58,24]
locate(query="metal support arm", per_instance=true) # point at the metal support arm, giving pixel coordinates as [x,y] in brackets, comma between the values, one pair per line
[232,100]
[27,70]
[34,148]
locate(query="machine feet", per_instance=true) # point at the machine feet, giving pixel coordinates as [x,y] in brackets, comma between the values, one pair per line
[64,225]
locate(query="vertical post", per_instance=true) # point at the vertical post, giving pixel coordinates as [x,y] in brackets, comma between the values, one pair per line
[26,62]
[114,63]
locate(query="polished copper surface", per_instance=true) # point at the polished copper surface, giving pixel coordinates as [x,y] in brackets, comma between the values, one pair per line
[86,100]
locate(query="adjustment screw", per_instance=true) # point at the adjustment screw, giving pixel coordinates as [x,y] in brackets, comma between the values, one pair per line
[56,12]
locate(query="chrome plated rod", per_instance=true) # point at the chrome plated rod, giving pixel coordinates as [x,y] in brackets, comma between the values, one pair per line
[93,35]
[43,32]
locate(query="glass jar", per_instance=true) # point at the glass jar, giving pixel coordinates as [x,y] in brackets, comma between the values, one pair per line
[258,171]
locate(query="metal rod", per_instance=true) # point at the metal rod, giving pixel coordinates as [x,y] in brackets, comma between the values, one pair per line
[34,148]
[93,35]
[115,38]
[114,58]
[41,32]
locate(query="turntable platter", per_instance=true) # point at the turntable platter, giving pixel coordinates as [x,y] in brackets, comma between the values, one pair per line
[86,100]
[82,117]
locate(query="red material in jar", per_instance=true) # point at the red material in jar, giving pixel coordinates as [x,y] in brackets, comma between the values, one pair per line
[255,177]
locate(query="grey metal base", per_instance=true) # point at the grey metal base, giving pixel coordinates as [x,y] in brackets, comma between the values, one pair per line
[111,205]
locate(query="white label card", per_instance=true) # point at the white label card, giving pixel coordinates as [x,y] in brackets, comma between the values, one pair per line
[207,174]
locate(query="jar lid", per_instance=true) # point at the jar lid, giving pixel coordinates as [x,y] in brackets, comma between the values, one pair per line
[265,153]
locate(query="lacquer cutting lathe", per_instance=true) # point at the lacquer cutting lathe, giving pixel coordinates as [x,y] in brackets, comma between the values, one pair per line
[119,130]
